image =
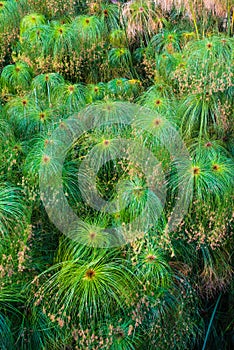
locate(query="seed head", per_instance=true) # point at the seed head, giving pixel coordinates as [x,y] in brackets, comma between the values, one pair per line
[216,167]
[90,273]
[196,170]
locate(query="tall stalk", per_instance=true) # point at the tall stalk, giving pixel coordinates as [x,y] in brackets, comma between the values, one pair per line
[48,93]
[228,17]
[35,94]
[211,322]
[204,22]
[191,7]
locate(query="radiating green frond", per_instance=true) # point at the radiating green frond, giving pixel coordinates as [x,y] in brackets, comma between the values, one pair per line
[168,41]
[44,84]
[30,21]
[9,14]
[95,92]
[60,39]
[17,76]
[70,96]
[89,29]
[91,289]
[11,208]
[119,57]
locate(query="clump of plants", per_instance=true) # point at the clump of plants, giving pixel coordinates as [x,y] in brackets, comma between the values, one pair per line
[116,175]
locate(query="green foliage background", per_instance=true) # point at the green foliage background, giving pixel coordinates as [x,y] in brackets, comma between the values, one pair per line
[162,291]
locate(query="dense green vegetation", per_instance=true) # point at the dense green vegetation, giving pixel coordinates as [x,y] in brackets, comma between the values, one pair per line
[148,86]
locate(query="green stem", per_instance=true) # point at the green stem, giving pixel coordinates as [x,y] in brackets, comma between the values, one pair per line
[194,18]
[35,94]
[48,92]
[232,24]
[228,17]
[211,322]
[204,22]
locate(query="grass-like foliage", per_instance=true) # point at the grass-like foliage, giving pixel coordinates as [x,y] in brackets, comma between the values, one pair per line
[11,208]
[116,174]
